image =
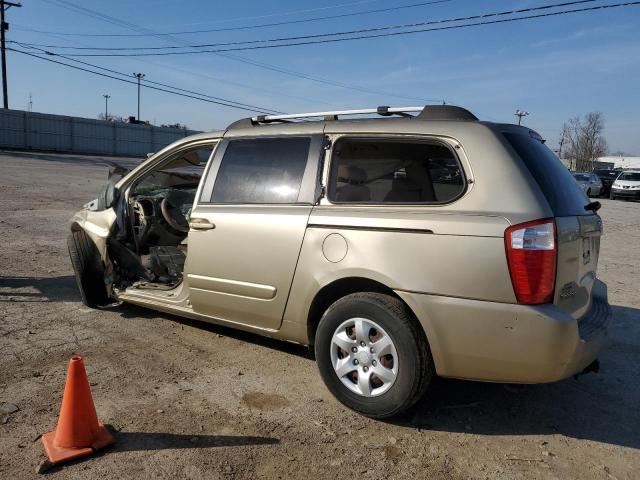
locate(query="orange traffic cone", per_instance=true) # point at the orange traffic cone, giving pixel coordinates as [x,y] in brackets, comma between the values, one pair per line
[78,432]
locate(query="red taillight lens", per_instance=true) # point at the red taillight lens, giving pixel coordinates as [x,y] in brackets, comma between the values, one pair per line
[531,255]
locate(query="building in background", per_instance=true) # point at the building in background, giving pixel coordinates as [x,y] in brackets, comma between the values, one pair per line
[623,162]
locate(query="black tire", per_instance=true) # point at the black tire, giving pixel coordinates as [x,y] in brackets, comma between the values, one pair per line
[88,268]
[415,364]
[589,192]
[612,196]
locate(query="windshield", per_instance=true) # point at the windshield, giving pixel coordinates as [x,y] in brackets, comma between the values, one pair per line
[582,177]
[630,177]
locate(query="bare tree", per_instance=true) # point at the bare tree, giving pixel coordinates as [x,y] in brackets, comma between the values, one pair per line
[583,141]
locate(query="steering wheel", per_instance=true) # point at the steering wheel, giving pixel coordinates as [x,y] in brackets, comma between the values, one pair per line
[173,216]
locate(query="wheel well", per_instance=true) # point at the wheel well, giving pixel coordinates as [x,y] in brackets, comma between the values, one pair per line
[336,290]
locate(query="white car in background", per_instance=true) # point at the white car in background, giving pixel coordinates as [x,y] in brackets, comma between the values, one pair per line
[627,185]
[589,182]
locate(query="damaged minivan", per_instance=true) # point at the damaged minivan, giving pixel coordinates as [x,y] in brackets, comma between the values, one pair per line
[410,243]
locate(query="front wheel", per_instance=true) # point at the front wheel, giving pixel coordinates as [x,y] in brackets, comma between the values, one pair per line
[88,269]
[612,196]
[372,354]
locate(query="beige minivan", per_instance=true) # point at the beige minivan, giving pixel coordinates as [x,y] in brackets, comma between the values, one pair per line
[404,244]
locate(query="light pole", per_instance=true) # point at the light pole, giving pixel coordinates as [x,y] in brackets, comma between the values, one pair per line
[106,106]
[139,76]
[519,113]
[4,26]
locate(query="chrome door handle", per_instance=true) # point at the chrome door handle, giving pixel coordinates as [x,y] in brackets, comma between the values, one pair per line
[201,224]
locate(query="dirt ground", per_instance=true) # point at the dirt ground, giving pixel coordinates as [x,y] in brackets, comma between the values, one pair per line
[193,400]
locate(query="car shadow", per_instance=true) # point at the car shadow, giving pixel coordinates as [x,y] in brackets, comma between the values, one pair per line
[39,289]
[133,311]
[152,441]
[594,407]
[599,407]
[148,441]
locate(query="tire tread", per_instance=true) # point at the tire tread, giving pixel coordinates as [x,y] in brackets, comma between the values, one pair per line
[88,269]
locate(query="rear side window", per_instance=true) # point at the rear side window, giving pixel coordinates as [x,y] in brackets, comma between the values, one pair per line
[266,170]
[394,172]
[564,195]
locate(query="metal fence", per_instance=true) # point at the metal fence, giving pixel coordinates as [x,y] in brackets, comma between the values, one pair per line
[58,133]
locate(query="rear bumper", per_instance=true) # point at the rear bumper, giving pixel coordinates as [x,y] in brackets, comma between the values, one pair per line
[499,342]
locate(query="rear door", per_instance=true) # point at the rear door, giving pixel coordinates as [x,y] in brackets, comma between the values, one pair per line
[578,229]
[248,225]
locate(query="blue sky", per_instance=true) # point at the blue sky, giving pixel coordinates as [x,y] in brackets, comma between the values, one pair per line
[555,68]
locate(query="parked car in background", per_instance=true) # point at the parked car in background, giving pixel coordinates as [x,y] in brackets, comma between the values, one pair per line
[590,183]
[606,177]
[627,185]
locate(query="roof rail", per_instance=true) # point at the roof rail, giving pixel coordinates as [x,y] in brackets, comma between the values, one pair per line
[384,111]
[428,112]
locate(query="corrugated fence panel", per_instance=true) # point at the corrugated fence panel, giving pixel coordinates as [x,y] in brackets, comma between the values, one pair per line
[12,129]
[45,132]
[133,140]
[41,131]
[93,136]
[162,138]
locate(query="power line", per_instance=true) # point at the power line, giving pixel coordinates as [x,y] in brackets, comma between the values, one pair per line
[266,66]
[196,73]
[361,37]
[246,27]
[342,33]
[146,80]
[225,104]
[258,64]
[290,12]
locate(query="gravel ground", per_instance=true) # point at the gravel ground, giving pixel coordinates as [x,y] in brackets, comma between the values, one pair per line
[192,400]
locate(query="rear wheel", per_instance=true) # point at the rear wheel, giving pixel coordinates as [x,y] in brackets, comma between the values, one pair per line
[87,266]
[588,192]
[372,354]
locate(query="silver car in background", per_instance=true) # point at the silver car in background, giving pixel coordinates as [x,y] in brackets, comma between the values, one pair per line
[589,182]
[627,186]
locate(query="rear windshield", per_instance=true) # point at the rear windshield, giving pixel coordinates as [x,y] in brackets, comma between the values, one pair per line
[563,193]
[630,176]
[606,173]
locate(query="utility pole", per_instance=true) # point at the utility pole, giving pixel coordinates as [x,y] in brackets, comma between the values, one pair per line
[30,109]
[4,26]
[139,76]
[106,106]
[519,113]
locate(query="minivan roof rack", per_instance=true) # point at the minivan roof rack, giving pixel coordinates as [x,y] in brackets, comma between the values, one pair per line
[428,112]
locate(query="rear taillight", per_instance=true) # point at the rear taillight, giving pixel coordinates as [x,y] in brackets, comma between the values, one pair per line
[531,255]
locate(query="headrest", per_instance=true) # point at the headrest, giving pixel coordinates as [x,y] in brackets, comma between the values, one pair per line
[351,174]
